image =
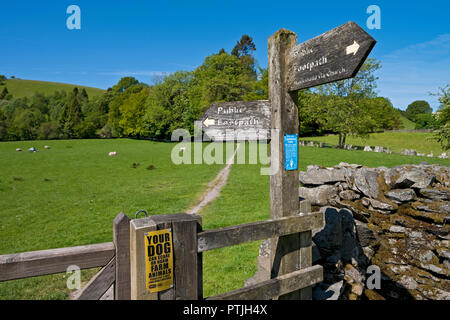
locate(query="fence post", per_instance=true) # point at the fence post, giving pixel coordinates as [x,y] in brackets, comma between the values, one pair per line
[287,253]
[187,263]
[121,234]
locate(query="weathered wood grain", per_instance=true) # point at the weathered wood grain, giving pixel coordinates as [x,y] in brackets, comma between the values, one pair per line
[99,284]
[121,234]
[284,251]
[138,273]
[278,286]
[229,236]
[44,262]
[238,120]
[335,55]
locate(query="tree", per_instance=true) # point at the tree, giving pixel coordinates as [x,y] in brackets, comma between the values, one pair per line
[222,77]
[71,115]
[5,95]
[244,46]
[417,107]
[342,106]
[2,79]
[442,134]
[243,50]
[124,84]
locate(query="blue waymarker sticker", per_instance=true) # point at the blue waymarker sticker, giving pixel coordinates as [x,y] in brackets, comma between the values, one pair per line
[290,152]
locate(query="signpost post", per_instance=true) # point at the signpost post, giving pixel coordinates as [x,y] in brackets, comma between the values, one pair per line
[335,55]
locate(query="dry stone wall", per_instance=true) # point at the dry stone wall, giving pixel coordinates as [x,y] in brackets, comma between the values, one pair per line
[396,219]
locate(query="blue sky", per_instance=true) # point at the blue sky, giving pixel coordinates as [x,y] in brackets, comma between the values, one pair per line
[146,39]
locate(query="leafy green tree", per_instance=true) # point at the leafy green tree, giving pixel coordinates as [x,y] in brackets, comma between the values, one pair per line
[4,95]
[442,134]
[124,84]
[417,107]
[115,108]
[383,113]
[425,121]
[132,114]
[2,79]
[260,87]
[342,106]
[174,102]
[222,77]
[26,123]
[48,130]
[71,115]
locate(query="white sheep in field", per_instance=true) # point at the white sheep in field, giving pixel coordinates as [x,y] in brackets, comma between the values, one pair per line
[112,153]
[46,147]
[18,149]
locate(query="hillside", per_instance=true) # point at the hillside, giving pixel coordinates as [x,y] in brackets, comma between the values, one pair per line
[25,88]
[407,124]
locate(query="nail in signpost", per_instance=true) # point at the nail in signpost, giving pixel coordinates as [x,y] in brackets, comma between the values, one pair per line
[335,55]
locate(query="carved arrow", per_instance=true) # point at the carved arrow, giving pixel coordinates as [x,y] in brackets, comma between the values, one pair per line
[209,122]
[353,48]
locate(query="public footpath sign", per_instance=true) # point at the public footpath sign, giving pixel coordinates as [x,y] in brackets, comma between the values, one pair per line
[238,120]
[332,56]
[159,260]
[290,152]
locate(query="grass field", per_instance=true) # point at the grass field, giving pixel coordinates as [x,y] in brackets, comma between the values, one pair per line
[396,141]
[69,195]
[26,88]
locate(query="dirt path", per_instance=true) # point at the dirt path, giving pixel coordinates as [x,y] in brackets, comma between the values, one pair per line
[215,185]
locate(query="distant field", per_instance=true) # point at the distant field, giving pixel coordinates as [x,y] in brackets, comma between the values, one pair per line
[26,88]
[396,141]
[69,195]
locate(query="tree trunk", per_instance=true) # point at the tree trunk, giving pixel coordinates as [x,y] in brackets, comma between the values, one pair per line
[340,140]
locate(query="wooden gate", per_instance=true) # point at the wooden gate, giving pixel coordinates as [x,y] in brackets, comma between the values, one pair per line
[189,242]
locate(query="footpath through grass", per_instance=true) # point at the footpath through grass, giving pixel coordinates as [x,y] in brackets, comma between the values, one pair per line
[69,195]
[396,141]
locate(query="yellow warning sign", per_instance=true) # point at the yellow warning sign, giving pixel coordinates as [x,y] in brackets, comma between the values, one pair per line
[159,260]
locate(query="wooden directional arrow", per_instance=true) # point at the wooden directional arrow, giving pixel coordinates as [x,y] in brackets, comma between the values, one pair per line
[239,120]
[332,56]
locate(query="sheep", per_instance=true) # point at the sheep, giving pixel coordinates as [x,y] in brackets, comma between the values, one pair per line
[18,149]
[46,147]
[112,153]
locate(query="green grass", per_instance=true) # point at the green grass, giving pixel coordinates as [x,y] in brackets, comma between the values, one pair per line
[396,141]
[70,194]
[26,88]
[407,124]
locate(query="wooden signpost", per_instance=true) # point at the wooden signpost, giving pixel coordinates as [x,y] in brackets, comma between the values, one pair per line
[156,240]
[237,121]
[335,55]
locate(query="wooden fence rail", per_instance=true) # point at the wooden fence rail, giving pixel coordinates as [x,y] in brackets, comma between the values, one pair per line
[261,230]
[44,262]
